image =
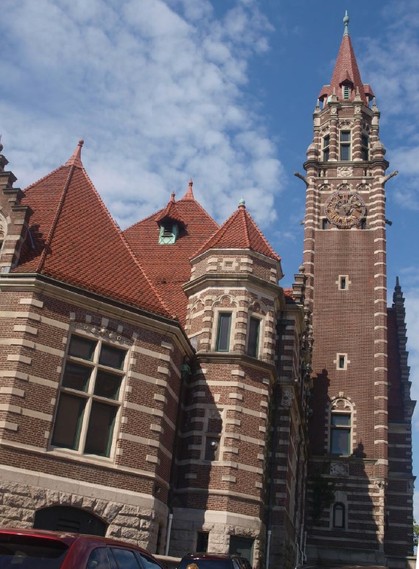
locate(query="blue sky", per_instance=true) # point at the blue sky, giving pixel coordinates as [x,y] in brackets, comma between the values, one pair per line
[221,91]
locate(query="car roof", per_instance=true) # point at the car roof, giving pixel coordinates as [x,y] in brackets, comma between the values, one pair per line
[68,537]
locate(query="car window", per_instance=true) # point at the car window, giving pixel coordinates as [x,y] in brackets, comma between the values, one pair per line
[147,562]
[28,552]
[125,558]
[98,559]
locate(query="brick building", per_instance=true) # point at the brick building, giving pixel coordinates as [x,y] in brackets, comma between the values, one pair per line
[360,468]
[156,382]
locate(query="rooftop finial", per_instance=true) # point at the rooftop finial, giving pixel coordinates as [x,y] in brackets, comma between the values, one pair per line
[75,158]
[346,24]
[242,203]
[189,192]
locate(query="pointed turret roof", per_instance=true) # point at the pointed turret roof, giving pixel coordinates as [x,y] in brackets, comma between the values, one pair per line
[168,265]
[346,72]
[75,240]
[240,232]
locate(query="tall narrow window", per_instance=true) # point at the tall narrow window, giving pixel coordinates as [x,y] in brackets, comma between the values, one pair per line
[338,515]
[340,433]
[365,142]
[341,361]
[223,332]
[253,338]
[326,147]
[346,90]
[202,541]
[89,397]
[343,282]
[212,448]
[345,145]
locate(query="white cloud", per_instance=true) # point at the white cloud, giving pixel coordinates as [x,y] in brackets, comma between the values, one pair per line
[155,89]
[391,63]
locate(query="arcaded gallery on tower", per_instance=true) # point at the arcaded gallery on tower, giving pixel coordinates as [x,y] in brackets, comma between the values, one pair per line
[159,385]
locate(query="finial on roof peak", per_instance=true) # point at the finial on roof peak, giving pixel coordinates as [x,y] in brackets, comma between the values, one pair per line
[189,192]
[75,158]
[172,196]
[346,24]
[242,203]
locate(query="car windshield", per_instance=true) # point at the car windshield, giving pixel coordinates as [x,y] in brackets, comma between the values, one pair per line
[27,552]
[206,563]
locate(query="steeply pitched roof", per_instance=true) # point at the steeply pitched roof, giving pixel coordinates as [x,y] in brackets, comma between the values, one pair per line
[76,241]
[168,265]
[240,232]
[346,71]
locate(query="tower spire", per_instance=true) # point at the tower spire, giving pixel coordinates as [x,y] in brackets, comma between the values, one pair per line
[346,80]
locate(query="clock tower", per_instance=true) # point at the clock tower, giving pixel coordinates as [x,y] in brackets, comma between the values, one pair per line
[357,484]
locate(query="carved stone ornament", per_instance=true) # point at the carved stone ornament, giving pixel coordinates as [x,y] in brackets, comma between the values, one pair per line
[287,397]
[345,209]
[105,334]
[339,469]
[344,171]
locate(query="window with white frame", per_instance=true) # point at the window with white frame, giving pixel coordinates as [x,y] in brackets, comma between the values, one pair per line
[343,282]
[253,336]
[90,396]
[341,361]
[340,433]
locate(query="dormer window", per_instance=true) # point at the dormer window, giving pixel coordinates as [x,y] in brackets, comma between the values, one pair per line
[346,92]
[169,231]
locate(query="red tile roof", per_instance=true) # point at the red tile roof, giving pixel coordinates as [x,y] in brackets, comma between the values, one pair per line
[168,266]
[76,241]
[346,70]
[240,232]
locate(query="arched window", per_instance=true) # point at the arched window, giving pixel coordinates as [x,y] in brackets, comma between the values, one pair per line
[68,518]
[338,515]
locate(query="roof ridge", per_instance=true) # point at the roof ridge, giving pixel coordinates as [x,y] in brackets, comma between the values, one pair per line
[262,236]
[126,244]
[246,217]
[54,224]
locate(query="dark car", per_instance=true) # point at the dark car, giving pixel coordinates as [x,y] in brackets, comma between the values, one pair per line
[213,561]
[39,549]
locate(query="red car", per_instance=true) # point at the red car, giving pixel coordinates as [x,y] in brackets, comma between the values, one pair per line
[41,549]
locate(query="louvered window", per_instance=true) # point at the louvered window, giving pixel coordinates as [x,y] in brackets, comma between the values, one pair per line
[169,232]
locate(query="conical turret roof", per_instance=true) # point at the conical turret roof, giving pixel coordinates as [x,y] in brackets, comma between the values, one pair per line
[240,232]
[73,239]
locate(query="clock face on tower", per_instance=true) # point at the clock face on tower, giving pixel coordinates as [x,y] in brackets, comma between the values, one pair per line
[345,209]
